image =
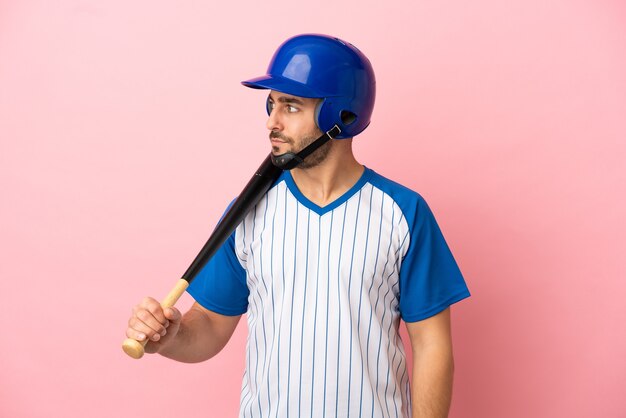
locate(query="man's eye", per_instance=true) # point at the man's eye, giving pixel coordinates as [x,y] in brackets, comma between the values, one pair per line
[291,109]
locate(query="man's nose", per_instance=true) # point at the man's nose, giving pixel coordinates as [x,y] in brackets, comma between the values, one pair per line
[273,121]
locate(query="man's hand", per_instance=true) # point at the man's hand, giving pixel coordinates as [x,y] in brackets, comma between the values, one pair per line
[151,321]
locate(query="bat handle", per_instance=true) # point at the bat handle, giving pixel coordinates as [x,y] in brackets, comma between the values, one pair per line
[135,348]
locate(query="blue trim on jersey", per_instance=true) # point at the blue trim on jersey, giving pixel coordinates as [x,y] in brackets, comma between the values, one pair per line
[430,279]
[293,188]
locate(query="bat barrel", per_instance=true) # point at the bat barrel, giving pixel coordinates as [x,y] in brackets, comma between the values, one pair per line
[256,188]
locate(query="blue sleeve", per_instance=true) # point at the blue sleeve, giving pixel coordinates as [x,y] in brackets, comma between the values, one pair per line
[221,284]
[430,279]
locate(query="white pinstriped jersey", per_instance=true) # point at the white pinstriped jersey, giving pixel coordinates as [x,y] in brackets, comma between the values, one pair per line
[324,290]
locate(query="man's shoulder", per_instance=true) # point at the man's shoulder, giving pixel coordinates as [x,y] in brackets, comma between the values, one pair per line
[399,193]
[410,203]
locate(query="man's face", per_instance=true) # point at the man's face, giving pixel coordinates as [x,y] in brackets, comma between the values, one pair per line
[292,127]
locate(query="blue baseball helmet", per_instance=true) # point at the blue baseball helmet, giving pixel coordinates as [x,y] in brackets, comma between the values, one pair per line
[325,67]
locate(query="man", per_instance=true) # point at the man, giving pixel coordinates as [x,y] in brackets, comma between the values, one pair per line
[325,265]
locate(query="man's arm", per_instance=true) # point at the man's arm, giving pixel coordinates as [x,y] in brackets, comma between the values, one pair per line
[433,366]
[196,336]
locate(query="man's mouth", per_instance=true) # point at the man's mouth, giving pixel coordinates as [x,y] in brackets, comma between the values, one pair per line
[277,140]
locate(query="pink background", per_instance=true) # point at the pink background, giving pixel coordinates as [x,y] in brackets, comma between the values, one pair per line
[117,123]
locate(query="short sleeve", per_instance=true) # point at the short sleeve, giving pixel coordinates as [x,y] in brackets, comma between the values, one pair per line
[430,279]
[221,284]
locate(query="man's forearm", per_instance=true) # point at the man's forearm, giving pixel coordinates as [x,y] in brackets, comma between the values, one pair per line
[199,338]
[431,392]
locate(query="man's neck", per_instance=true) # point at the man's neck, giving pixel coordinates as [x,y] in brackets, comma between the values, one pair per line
[329,180]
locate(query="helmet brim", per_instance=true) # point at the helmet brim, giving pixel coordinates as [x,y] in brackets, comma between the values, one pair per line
[285,85]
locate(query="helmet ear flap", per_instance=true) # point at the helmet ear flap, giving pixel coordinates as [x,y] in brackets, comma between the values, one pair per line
[328,114]
[268,106]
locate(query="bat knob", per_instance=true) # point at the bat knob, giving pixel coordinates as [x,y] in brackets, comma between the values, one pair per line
[133,348]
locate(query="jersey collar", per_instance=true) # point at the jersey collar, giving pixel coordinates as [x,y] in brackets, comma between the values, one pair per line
[321,210]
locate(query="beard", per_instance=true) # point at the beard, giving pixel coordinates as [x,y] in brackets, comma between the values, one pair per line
[316,158]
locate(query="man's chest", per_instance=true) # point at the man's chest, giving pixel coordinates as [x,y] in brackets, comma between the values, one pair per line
[353,252]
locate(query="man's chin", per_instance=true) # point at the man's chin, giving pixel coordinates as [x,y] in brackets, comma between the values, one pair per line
[280,150]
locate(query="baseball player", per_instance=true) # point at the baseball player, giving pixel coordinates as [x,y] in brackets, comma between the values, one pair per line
[325,266]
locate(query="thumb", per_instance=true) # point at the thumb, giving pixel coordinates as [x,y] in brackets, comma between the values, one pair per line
[172,314]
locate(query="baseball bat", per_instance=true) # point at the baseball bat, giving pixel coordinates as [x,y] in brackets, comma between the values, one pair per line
[257,186]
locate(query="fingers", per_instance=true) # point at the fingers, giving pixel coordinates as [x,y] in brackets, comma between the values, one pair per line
[149,321]
[154,307]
